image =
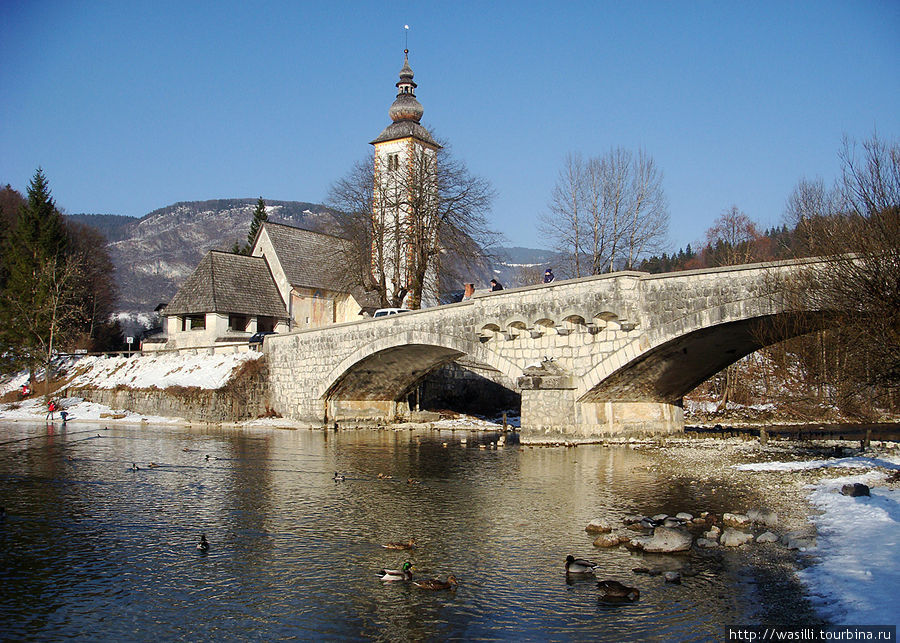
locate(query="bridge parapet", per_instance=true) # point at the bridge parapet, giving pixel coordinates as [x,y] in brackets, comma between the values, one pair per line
[624,349]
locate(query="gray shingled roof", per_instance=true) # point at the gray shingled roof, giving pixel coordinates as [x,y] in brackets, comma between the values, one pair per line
[229,283]
[315,260]
[405,129]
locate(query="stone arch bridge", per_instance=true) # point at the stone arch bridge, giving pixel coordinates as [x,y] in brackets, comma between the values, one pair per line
[611,354]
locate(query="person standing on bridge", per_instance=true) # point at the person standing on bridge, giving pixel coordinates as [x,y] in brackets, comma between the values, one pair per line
[548,276]
[496,285]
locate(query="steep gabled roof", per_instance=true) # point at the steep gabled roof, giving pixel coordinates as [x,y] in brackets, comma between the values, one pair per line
[310,259]
[229,283]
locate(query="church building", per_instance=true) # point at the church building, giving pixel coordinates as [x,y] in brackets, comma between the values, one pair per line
[405,187]
[296,279]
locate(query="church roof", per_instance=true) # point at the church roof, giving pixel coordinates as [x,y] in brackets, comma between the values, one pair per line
[406,111]
[312,259]
[229,283]
[405,129]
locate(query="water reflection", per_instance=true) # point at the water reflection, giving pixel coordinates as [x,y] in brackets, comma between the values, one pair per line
[96,550]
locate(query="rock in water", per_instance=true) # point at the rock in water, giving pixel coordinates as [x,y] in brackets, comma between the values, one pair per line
[597,526]
[767,537]
[734,538]
[666,540]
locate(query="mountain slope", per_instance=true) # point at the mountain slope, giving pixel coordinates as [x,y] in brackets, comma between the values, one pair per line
[154,254]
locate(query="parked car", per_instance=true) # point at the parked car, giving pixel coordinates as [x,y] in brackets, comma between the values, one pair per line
[257,338]
[384,312]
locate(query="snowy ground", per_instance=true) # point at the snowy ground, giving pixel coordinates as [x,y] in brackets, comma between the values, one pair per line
[855,578]
[137,371]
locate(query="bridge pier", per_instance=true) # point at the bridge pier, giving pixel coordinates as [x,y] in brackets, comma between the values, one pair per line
[556,412]
[550,408]
[366,411]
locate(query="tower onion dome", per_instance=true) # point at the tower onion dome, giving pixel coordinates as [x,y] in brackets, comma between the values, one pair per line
[405,106]
[406,112]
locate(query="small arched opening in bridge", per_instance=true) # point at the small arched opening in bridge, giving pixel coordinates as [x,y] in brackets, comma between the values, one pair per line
[394,377]
[667,371]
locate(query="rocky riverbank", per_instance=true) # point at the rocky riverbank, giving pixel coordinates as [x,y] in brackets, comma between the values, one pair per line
[795,520]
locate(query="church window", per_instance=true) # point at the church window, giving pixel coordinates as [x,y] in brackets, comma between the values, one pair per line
[193,322]
[393,161]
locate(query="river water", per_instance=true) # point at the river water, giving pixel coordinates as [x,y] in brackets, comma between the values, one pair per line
[96,551]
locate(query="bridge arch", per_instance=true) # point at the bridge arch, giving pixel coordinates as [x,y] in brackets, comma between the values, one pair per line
[388,367]
[666,364]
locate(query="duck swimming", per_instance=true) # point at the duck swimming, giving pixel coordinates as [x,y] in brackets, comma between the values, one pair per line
[616,592]
[410,544]
[402,574]
[579,565]
[203,545]
[339,477]
[436,583]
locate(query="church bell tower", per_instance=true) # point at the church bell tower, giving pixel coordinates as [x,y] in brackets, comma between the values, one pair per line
[405,155]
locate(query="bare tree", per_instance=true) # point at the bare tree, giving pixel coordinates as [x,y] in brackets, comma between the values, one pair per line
[433,214]
[859,286]
[731,239]
[608,212]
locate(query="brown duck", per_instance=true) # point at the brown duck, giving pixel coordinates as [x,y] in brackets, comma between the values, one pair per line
[436,583]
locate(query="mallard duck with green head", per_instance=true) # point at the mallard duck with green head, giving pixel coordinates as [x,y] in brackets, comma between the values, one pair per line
[402,574]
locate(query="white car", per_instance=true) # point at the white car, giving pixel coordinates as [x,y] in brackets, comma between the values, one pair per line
[384,312]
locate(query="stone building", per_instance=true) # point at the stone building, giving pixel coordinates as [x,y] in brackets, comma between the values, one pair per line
[293,279]
[405,171]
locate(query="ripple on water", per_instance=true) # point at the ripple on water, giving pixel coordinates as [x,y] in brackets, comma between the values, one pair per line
[94,547]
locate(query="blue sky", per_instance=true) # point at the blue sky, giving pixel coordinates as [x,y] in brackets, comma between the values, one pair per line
[131,106]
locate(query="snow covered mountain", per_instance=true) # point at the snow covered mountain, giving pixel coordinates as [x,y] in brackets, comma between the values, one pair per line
[154,254]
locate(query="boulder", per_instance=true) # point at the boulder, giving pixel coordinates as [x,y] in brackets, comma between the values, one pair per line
[767,537]
[797,542]
[855,490]
[597,526]
[608,540]
[706,543]
[666,540]
[735,538]
[735,520]
[763,517]
[659,517]
[685,516]
[713,533]
[673,577]
[632,518]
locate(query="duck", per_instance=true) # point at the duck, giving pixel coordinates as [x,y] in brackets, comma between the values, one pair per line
[436,583]
[402,574]
[339,477]
[203,545]
[579,565]
[409,544]
[616,592]
[152,465]
[134,467]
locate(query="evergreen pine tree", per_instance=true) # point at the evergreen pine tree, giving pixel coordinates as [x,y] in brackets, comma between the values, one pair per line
[35,258]
[259,217]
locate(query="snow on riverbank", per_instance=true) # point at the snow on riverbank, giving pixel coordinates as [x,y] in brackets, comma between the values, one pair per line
[136,371]
[161,371]
[855,576]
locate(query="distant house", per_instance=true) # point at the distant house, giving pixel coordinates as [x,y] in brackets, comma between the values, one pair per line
[292,279]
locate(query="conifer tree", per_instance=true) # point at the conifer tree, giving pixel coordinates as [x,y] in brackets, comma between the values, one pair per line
[36,294]
[259,217]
